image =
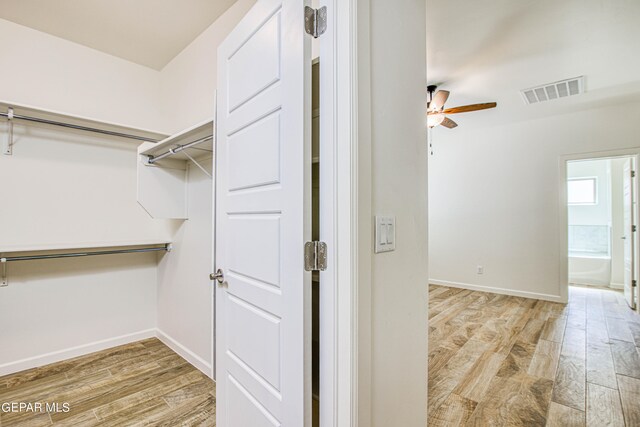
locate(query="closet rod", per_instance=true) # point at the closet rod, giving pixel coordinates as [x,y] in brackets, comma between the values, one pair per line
[78,127]
[166,247]
[177,149]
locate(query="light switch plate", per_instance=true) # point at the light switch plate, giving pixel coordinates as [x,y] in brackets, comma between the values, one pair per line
[385,235]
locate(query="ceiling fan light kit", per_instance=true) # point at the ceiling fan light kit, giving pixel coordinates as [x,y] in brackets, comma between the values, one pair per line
[434,120]
[436,113]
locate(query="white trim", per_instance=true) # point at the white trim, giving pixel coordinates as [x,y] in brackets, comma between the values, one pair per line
[83,350]
[71,352]
[494,290]
[563,211]
[616,285]
[338,227]
[182,351]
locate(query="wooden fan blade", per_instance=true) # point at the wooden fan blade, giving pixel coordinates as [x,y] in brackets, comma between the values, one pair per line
[448,123]
[438,100]
[472,107]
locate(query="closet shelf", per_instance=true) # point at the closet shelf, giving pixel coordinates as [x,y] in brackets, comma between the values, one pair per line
[189,135]
[163,170]
[45,117]
[6,249]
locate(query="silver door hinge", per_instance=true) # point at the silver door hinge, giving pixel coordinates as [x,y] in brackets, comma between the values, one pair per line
[315,21]
[315,256]
[634,283]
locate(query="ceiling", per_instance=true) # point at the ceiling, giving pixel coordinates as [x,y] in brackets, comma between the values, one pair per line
[488,50]
[147,32]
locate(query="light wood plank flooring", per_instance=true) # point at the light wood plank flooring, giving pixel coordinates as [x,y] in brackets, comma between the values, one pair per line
[144,383]
[497,360]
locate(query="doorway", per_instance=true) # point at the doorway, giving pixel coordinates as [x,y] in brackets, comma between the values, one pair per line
[601,216]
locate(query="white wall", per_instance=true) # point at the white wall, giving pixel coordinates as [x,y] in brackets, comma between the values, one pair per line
[392,181]
[494,196]
[52,73]
[71,187]
[185,293]
[189,81]
[63,187]
[57,309]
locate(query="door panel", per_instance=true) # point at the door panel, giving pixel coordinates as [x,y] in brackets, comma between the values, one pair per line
[629,235]
[255,65]
[260,140]
[263,218]
[266,335]
[246,258]
[244,409]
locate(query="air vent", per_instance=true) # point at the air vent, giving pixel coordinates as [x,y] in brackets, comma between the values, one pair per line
[550,91]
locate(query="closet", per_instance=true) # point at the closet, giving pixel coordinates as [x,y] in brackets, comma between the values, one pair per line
[107,238]
[108,225]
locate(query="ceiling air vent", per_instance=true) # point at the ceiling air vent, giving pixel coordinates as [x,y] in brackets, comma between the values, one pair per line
[561,89]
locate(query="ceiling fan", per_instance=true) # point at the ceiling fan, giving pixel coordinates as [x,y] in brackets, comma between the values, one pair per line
[436,113]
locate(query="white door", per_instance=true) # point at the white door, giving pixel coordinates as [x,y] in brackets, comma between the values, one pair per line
[629,235]
[263,195]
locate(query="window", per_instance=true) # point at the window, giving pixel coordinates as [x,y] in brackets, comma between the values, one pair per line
[582,191]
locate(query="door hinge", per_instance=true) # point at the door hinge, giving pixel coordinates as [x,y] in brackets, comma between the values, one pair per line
[315,256]
[315,21]
[633,174]
[634,228]
[634,283]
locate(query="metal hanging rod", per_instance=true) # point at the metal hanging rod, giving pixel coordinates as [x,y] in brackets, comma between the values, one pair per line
[3,261]
[166,247]
[11,116]
[178,148]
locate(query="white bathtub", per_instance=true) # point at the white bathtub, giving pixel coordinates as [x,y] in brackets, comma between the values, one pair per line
[589,270]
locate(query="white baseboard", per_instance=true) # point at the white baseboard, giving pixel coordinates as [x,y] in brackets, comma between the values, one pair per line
[69,353]
[616,285]
[502,291]
[82,350]
[201,364]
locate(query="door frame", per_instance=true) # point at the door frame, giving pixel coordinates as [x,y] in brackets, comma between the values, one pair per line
[339,215]
[564,211]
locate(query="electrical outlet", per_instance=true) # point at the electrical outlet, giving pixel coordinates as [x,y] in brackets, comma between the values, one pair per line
[480,269]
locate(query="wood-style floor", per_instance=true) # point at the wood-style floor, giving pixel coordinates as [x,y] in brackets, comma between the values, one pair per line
[144,383]
[498,360]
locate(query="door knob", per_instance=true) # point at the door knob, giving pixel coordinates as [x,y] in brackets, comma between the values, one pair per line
[217,276]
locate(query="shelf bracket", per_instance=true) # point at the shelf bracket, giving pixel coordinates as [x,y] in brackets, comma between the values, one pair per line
[7,148]
[206,172]
[4,282]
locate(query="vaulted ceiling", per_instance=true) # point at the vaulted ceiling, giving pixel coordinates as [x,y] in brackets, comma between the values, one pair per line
[147,32]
